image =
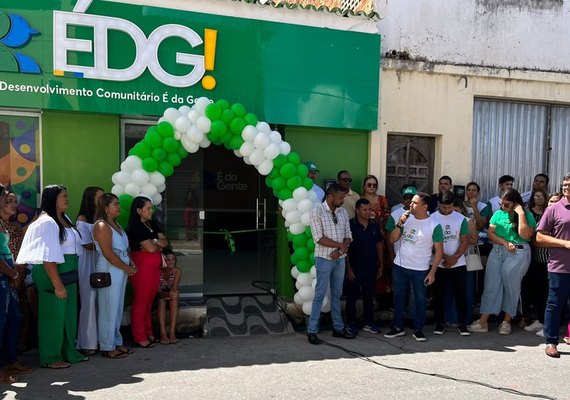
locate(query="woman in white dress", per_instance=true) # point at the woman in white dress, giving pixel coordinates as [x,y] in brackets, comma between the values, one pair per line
[87,329]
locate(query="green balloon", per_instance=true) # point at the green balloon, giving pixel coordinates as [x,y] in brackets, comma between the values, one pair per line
[238,109]
[279,183]
[308,232]
[300,240]
[125,201]
[294,182]
[310,245]
[237,125]
[303,266]
[250,119]
[289,236]
[165,129]
[228,116]
[227,145]
[216,141]
[269,181]
[274,172]
[302,170]
[312,259]
[236,142]
[123,219]
[285,194]
[153,139]
[149,164]
[218,129]
[227,137]
[294,158]
[182,152]
[159,155]
[224,104]
[280,161]
[302,253]
[165,169]
[142,150]
[173,159]
[170,145]
[288,170]
[294,258]
[132,152]
[213,112]
[308,183]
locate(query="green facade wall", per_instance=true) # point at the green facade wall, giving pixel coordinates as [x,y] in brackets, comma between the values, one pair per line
[79,150]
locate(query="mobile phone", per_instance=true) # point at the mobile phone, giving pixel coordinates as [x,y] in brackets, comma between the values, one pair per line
[426,283]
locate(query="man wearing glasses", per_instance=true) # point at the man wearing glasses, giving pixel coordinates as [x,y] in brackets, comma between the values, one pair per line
[554,232]
[331,232]
[344,179]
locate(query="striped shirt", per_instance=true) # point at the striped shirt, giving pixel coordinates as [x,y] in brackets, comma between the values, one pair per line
[323,225]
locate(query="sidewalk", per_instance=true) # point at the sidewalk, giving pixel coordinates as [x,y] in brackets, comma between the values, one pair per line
[287,367]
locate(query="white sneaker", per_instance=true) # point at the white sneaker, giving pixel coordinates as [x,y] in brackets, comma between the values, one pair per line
[540,333]
[477,327]
[535,326]
[505,328]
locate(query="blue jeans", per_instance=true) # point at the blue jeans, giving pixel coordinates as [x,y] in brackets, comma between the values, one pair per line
[558,292]
[328,272]
[402,278]
[503,277]
[110,302]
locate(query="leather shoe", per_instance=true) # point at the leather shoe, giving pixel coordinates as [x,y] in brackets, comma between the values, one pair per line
[313,338]
[552,351]
[344,333]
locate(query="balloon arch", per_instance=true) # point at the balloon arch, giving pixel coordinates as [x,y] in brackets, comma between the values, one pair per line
[186,130]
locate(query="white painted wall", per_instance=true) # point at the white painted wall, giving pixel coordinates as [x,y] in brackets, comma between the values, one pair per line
[516,34]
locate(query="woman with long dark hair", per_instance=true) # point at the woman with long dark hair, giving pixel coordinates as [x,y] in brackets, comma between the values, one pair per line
[52,244]
[112,246]
[146,241]
[87,329]
[510,230]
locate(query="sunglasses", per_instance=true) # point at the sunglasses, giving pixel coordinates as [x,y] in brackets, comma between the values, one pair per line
[346,179]
[335,219]
[371,185]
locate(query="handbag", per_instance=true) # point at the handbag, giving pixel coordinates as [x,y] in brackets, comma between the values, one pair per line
[473,259]
[99,280]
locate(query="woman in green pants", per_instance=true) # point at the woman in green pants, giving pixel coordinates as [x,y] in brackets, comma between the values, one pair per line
[51,245]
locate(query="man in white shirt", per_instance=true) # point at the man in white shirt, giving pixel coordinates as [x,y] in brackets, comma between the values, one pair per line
[505,183]
[540,182]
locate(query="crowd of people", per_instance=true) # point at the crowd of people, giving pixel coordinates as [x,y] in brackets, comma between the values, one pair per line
[438,245]
[78,274]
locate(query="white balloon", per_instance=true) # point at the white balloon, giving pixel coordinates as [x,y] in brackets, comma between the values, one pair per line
[182,123]
[193,116]
[286,223]
[304,279]
[314,283]
[275,137]
[201,104]
[149,189]
[257,157]
[313,273]
[306,293]
[305,206]
[306,218]
[289,205]
[265,167]
[156,178]
[123,178]
[285,148]
[300,193]
[114,178]
[293,217]
[205,143]
[133,162]
[263,126]
[314,197]
[307,306]
[261,141]
[140,177]
[298,285]
[249,133]
[161,119]
[280,202]
[170,115]
[271,151]
[297,298]
[156,199]
[177,135]
[326,307]
[125,167]
[204,124]
[184,110]
[195,134]
[246,160]
[118,190]
[161,188]
[132,189]
[189,145]
[247,148]
[238,154]
[294,272]
[297,228]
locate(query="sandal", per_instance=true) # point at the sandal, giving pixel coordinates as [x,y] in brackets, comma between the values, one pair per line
[113,354]
[16,368]
[8,379]
[566,340]
[124,350]
[88,352]
[57,365]
[149,345]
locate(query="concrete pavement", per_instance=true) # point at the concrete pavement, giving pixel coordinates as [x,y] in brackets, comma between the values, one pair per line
[480,366]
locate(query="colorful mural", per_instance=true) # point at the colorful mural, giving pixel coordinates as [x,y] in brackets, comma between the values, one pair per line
[19,162]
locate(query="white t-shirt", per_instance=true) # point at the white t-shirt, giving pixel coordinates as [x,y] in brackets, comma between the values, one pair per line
[416,243]
[494,202]
[454,226]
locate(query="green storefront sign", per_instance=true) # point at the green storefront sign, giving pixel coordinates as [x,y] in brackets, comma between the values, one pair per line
[116,58]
